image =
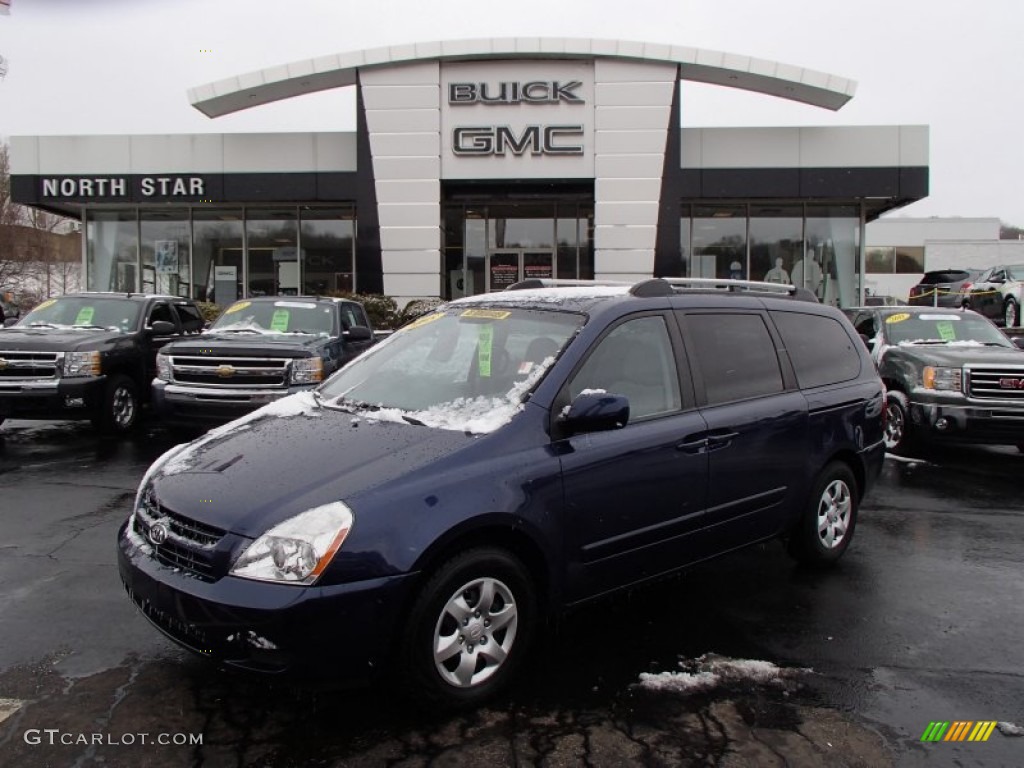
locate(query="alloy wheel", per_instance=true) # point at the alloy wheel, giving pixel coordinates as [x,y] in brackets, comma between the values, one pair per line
[895,426]
[122,407]
[834,514]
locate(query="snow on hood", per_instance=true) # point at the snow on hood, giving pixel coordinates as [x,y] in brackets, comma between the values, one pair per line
[180,457]
[555,295]
[711,671]
[962,343]
[249,326]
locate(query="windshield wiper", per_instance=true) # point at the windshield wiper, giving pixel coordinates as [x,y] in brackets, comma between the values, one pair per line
[414,422]
[96,327]
[352,405]
[234,330]
[45,325]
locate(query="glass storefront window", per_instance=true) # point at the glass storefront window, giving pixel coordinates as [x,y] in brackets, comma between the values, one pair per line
[271,244]
[166,255]
[685,235]
[880,259]
[776,241]
[328,250]
[217,263]
[909,259]
[719,242]
[829,266]
[521,226]
[112,251]
[475,280]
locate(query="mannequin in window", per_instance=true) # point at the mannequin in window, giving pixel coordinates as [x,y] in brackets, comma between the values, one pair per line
[807,273]
[778,273]
[736,271]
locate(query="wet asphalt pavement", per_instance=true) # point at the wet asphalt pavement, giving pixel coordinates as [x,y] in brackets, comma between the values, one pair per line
[922,621]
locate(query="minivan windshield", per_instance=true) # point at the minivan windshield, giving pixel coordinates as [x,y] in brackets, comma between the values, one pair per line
[464,368]
[84,313]
[942,328]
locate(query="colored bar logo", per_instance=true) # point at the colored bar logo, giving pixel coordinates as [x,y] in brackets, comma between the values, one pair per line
[958,730]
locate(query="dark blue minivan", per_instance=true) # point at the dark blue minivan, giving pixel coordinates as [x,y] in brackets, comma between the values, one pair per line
[434,502]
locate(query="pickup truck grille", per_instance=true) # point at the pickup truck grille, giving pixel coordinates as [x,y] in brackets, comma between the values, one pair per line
[28,365]
[187,544]
[257,372]
[996,383]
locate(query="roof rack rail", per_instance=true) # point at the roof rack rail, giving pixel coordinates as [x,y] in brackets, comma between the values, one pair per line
[557,282]
[726,284]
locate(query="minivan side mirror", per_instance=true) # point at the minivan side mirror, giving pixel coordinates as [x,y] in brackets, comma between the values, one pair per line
[358,333]
[596,412]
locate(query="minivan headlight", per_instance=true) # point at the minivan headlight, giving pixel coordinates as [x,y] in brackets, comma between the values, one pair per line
[298,550]
[307,370]
[949,379]
[82,364]
[163,367]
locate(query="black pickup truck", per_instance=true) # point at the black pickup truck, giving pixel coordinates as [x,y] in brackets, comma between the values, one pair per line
[258,350]
[89,356]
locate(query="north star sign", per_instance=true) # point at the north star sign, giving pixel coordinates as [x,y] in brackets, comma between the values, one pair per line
[117,186]
[501,139]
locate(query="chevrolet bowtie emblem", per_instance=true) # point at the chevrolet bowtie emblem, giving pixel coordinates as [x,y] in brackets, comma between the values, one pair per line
[224,371]
[3,363]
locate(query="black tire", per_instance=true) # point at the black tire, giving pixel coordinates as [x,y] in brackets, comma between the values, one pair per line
[119,411]
[471,673]
[826,528]
[1011,314]
[898,430]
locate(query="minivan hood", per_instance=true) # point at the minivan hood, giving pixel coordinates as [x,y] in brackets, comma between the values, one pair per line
[289,457]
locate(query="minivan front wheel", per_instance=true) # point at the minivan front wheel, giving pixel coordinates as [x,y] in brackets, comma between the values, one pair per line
[826,528]
[469,628]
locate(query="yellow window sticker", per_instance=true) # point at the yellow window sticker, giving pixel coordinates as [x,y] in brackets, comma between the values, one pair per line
[486,314]
[425,320]
[47,303]
[946,330]
[279,321]
[483,355]
[85,315]
[898,318]
[237,307]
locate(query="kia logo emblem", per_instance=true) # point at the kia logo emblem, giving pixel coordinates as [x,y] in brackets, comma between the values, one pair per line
[158,534]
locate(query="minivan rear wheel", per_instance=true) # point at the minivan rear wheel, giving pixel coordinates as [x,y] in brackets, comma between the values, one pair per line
[470,628]
[826,528]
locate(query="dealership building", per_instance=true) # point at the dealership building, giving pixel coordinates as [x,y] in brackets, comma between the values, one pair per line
[476,163]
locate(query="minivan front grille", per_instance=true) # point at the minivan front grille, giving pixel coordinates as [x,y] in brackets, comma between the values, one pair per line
[996,383]
[20,364]
[182,543]
[258,372]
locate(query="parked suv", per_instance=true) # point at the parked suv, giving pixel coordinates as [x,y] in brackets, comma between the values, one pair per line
[508,455]
[997,294]
[943,288]
[949,374]
[89,356]
[257,351]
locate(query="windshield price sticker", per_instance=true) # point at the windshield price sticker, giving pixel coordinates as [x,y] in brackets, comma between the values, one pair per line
[946,330]
[295,304]
[898,318]
[425,320]
[85,315]
[486,314]
[279,322]
[944,318]
[45,304]
[483,357]
[237,307]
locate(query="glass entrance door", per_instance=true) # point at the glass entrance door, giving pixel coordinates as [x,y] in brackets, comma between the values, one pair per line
[506,267]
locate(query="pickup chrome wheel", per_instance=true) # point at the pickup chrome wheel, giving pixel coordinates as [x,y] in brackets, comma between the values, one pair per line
[1010,314]
[897,421]
[825,530]
[119,411]
[469,629]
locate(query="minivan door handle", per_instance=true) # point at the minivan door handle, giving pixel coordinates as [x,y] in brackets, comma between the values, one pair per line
[720,440]
[694,445]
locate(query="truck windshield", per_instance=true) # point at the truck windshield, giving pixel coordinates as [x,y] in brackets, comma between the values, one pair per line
[84,312]
[941,328]
[460,368]
[276,317]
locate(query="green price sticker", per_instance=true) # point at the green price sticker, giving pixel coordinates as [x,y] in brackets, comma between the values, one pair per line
[483,354]
[279,322]
[946,330]
[85,316]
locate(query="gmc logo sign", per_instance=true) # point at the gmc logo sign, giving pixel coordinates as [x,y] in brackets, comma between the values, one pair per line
[1011,383]
[500,139]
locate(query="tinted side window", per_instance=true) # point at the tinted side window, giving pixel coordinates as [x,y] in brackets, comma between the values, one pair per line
[635,360]
[350,316]
[821,350]
[736,356]
[191,320]
[161,311]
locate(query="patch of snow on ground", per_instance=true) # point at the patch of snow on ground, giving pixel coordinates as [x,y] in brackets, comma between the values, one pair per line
[710,671]
[1009,729]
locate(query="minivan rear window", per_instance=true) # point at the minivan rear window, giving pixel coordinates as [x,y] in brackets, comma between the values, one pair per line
[821,350]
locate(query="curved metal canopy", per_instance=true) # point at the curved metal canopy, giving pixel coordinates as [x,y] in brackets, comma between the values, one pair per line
[700,65]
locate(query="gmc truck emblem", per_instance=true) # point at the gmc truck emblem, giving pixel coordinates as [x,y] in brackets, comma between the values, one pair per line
[1011,383]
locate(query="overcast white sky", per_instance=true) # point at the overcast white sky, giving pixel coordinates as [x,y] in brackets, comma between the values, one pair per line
[124,66]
